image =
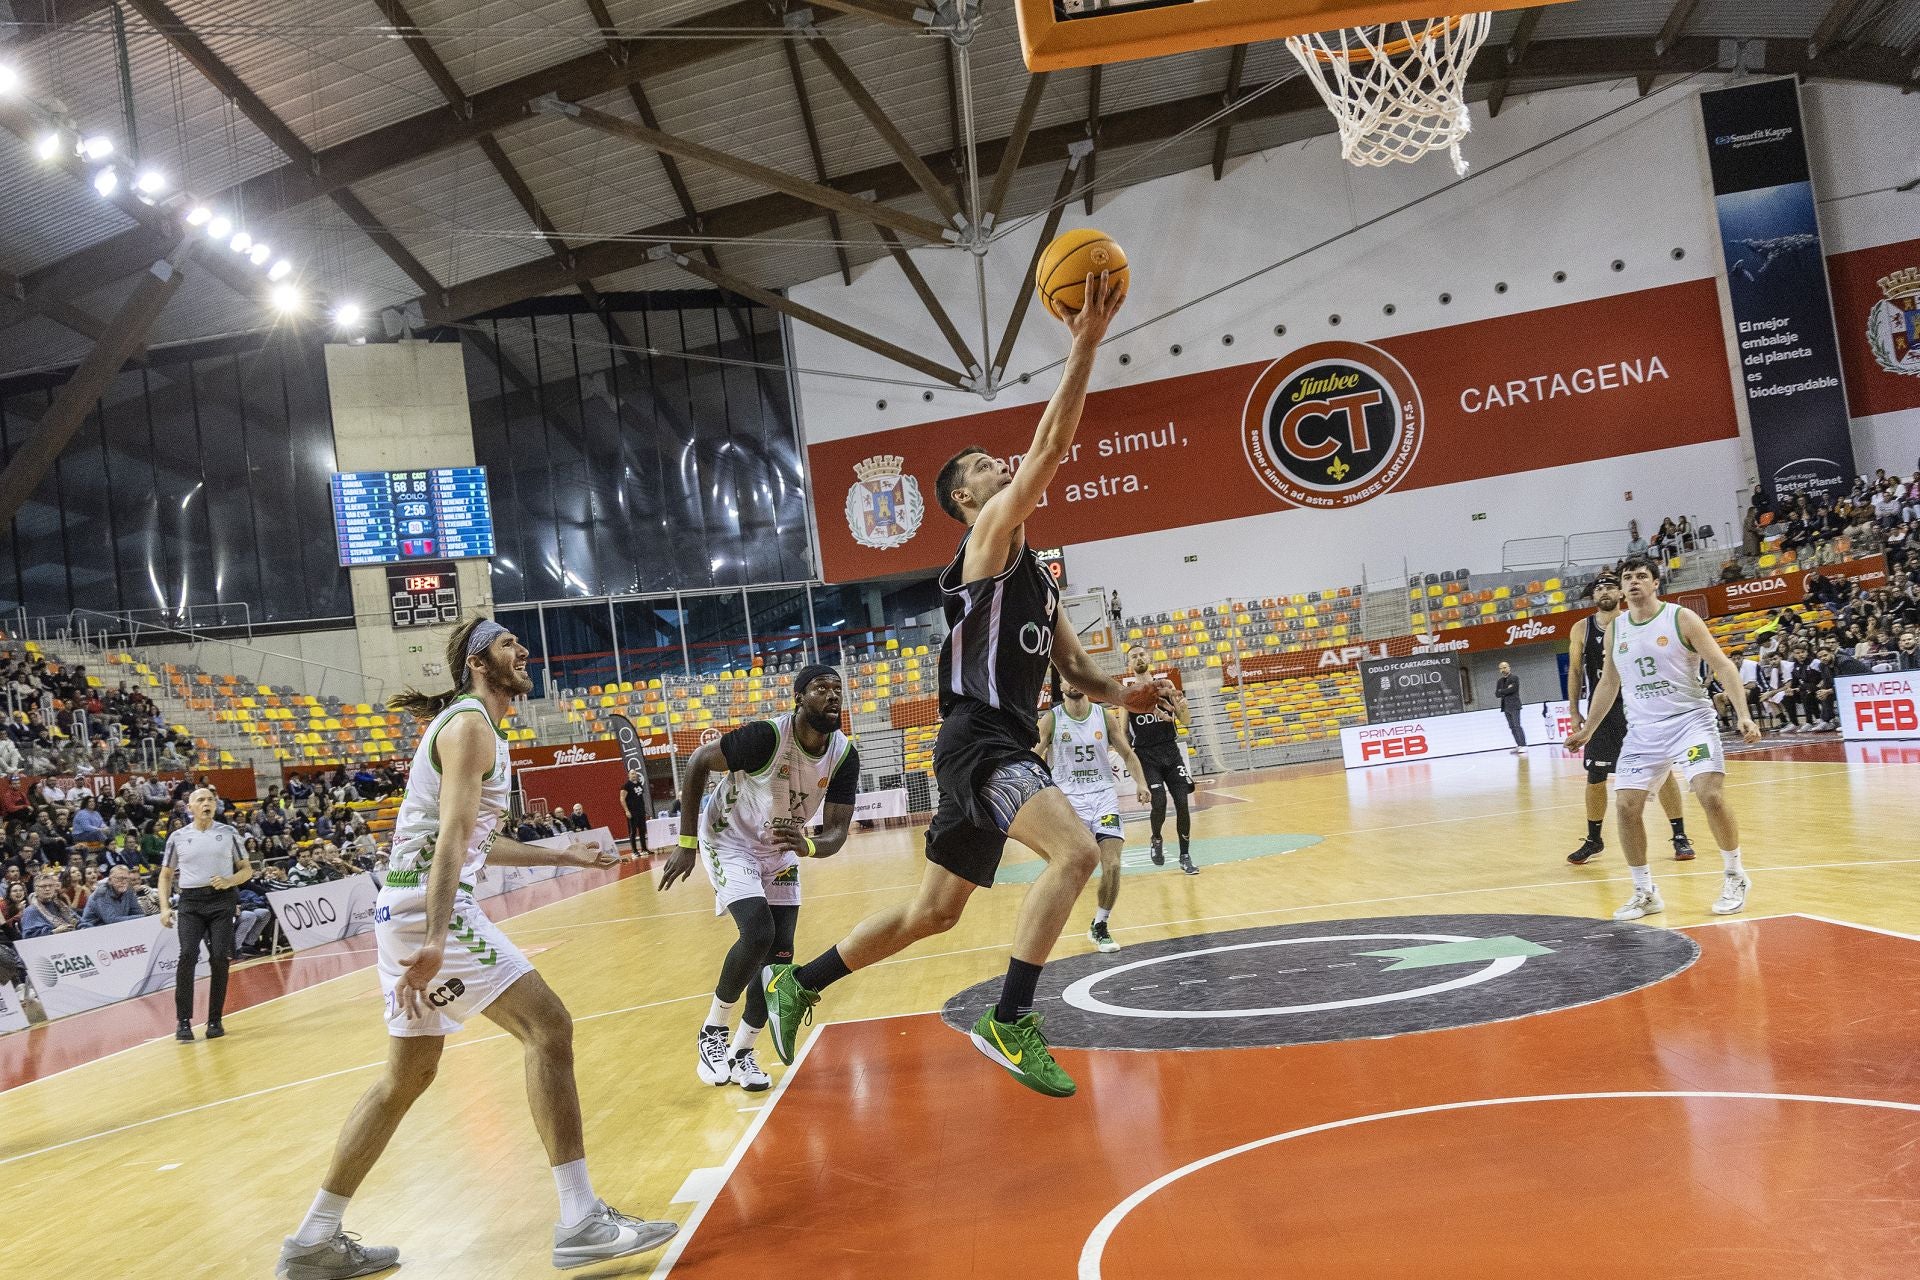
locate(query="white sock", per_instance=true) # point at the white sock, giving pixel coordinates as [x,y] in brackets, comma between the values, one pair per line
[576,1191]
[1732,859]
[743,1038]
[1642,878]
[719,1013]
[1100,914]
[323,1220]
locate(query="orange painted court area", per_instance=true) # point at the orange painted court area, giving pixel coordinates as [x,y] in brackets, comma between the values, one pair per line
[1754,1115]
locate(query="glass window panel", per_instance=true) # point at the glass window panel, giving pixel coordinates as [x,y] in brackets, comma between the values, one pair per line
[86,506]
[486,405]
[779,619]
[230,501]
[322,589]
[649,635]
[528,447]
[579,645]
[841,622]
[567,457]
[716,631]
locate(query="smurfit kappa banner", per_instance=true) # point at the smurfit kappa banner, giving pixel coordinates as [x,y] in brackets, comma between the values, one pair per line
[1777,278]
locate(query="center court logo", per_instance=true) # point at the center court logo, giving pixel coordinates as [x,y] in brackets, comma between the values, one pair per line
[884,507]
[1332,425]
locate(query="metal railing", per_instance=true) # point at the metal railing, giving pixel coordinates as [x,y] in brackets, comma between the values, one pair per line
[106,632]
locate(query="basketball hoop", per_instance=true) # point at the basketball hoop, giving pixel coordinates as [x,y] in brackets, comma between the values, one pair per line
[1396,89]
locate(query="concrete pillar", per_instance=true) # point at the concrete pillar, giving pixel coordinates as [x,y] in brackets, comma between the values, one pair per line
[398,407]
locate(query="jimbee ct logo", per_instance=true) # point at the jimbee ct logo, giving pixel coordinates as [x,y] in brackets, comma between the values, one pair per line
[1332,425]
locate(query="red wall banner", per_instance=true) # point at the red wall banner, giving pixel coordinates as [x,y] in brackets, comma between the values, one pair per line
[1876,305]
[1326,426]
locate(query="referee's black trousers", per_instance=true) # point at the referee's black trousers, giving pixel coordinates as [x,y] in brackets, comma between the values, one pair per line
[204,915]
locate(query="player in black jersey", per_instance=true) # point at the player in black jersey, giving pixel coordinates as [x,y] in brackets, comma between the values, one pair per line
[1005,628]
[1586,659]
[1156,740]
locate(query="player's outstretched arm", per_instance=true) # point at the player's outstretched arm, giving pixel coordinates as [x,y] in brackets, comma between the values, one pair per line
[1077,669]
[1701,641]
[1604,694]
[1576,672]
[692,787]
[1045,745]
[1010,508]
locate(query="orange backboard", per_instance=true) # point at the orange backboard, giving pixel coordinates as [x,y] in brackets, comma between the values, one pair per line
[1124,32]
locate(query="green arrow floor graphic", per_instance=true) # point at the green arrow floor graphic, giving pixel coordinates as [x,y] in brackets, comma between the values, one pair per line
[1469,952]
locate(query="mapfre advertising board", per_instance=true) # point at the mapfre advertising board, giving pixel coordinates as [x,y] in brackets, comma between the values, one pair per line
[1434,737]
[1882,706]
[1325,426]
[87,968]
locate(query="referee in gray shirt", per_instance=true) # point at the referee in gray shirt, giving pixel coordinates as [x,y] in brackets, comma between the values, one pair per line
[210,864]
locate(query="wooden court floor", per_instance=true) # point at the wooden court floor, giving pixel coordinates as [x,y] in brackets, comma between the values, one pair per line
[1755,1114]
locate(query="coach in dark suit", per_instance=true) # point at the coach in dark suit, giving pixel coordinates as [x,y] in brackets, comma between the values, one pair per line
[1507,689]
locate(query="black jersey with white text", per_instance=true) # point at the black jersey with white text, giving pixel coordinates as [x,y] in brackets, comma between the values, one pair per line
[1593,661]
[999,636]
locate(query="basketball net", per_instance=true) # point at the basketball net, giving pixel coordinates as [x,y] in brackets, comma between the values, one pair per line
[1397,90]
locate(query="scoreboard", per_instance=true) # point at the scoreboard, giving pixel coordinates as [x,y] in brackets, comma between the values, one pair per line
[1413,688]
[383,517]
[423,595]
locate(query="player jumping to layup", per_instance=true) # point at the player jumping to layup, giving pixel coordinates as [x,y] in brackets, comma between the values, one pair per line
[1005,623]
[1670,724]
[442,961]
[1586,658]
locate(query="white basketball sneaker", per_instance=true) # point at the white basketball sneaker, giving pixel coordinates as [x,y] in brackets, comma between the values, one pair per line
[1733,894]
[745,1072]
[607,1233]
[1643,903]
[710,1051]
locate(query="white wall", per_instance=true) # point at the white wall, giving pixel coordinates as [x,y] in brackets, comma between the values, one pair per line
[1631,188]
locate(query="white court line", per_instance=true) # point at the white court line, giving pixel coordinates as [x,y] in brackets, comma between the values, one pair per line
[1096,1244]
[679,1244]
[1854,924]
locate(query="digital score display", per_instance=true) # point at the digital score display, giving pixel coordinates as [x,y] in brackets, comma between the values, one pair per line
[1411,688]
[423,595]
[386,517]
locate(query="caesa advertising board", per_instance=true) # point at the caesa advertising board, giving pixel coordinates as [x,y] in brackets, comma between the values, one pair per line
[384,517]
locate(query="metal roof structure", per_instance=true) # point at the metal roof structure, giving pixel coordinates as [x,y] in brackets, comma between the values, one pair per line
[461,155]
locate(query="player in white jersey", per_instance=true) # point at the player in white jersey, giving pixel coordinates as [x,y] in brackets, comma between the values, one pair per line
[1654,652]
[1074,742]
[442,961]
[751,837]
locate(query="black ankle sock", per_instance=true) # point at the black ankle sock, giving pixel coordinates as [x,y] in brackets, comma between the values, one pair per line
[1679,826]
[1016,994]
[1593,828]
[823,970]
[1186,847]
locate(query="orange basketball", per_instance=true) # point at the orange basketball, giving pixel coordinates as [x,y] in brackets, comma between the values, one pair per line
[1061,276]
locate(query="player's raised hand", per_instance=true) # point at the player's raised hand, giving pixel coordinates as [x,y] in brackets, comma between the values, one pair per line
[1103,298]
[1151,697]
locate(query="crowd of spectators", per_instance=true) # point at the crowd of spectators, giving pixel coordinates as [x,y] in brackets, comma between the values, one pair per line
[55,723]
[1877,509]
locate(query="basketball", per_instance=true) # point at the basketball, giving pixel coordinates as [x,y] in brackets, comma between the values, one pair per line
[1061,276]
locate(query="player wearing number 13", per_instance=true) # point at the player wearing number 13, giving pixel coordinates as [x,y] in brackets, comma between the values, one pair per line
[1005,627]
[1654,652]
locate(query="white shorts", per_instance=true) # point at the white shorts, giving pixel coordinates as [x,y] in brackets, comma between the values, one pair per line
[737,873]
[479,963]
[1101,812]
[1689,743]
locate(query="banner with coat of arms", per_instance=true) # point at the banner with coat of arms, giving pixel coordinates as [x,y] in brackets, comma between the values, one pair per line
[1877,294]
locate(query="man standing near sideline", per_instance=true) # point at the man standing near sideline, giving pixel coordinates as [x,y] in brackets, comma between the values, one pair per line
[211,864]
[442,961]
[633,800]
[1586,659]
[1507,689]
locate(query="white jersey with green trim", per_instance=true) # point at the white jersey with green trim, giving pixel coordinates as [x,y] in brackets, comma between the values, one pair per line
[786,792]
[417,828]
[1079,756]
[1659,671]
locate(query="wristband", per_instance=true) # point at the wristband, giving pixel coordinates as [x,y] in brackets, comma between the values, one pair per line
[811,851]
[689,842]
[486,846]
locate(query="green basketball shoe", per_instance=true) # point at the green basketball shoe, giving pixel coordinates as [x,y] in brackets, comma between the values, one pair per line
[1022,1050]
[789,1007]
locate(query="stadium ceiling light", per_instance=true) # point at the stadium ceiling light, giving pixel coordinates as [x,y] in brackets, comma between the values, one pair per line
[220,228]
[347,315]
[48,147]
[198,215]
[9,79]
[280,270]
[260,253]
[98,147]
[285,298]
[151,182]
[106,182]
[241,243]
